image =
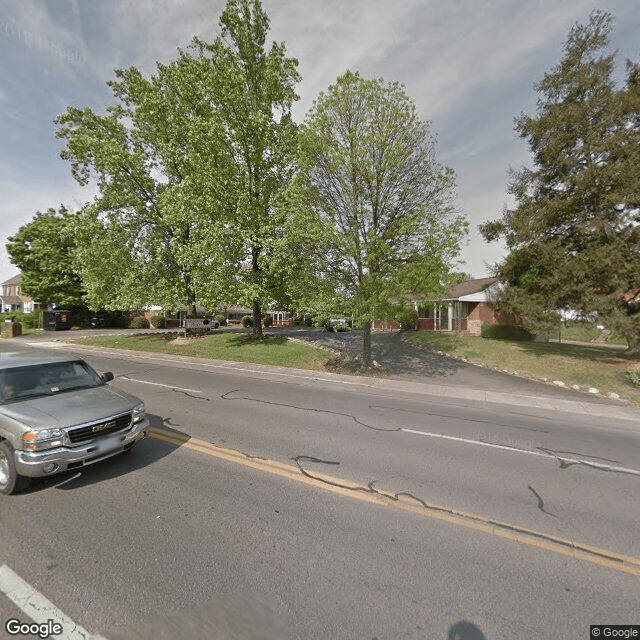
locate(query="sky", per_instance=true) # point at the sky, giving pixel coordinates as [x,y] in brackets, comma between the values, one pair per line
[469,65]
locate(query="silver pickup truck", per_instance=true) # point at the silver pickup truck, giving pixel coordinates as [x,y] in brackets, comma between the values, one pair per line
[58,414]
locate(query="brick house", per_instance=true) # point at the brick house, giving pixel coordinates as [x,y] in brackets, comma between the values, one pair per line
[464,307]
[12,300]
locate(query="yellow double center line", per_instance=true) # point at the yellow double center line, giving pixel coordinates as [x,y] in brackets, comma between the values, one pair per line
[556,544]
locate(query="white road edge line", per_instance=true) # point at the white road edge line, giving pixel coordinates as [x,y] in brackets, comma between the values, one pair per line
[38,608]
[587,463]
[157,384]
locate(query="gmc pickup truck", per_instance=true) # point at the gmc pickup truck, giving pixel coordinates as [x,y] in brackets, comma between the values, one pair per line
[58,414]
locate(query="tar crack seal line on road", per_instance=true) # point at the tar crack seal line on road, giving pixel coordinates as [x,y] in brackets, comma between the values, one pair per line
[368,493]
[225,396]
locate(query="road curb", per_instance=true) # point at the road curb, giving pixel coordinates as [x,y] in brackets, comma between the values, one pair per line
[612,409]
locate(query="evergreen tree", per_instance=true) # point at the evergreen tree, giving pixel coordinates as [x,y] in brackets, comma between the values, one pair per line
[573,236]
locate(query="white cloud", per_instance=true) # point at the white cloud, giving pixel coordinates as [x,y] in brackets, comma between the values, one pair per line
[469,65]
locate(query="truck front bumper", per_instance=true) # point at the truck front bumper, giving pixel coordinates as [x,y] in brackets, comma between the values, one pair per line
[51,461]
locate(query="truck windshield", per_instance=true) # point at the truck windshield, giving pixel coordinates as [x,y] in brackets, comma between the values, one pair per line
[20,383]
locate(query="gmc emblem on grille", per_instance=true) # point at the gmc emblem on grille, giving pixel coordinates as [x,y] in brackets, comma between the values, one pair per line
[102,427]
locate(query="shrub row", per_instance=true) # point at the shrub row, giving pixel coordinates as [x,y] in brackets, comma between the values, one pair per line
[31,320]
[505,332]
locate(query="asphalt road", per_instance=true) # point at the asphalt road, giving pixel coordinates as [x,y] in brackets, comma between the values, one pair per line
[356,509]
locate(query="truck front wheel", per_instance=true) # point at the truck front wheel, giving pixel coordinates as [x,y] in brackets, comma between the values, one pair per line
[10,481]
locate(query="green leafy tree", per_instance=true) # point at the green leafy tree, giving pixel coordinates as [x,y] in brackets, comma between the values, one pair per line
[157,158]
[574,235]
[386,226]
[188,163]
[43,250]
[255,90]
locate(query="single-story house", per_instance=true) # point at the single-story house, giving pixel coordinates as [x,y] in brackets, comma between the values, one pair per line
[463,308]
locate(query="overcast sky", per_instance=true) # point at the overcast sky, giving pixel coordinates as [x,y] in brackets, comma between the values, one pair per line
[469,65]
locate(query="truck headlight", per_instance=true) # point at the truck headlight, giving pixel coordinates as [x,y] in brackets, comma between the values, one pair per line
[138,413]
[42,439]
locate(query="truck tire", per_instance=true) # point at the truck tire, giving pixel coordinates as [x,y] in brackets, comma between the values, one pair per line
[10,481]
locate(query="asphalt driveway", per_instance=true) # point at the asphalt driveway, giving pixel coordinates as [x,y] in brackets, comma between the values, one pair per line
[403,360]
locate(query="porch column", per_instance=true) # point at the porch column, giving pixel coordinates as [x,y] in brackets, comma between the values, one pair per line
[450,318]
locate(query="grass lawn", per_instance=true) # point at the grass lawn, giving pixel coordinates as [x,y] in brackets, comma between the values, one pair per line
[583,332]
[275,350]
[588,366]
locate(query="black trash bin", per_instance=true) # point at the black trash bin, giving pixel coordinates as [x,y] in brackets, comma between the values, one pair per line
[56,320]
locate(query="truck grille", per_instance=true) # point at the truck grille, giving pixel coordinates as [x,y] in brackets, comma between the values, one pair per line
[97,429]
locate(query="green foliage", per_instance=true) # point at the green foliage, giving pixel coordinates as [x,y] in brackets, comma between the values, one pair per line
[188,163]
[634,376]
[384,222]
[505,332]
[574,237]
[30,320]
[157,322]
[43,250]
[138,322]
[407,317]
[247,321]
[267,320]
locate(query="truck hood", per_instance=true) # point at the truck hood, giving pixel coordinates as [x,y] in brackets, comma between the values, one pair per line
[70,408]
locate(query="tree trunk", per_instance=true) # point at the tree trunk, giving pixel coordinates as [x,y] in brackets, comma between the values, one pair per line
[257,312]
[190,297]
[366,345]
[257,320]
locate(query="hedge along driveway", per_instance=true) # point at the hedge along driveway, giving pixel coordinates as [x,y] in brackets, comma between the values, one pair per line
[586,366]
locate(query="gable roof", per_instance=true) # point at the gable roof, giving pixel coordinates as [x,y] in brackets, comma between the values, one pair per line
[11,281]
[469,287]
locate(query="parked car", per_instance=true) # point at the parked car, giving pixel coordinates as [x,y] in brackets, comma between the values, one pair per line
[335,324]
[57,414]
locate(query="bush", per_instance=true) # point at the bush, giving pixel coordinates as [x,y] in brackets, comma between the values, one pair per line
[157,322]
[222,320]
[30,320]
[138,322]
[247,321]
[634,376]
[505,332]
[408,319]
[267,321]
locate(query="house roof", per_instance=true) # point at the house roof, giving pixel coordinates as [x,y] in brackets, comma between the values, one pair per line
[14,280]
[10,299]
[469,287]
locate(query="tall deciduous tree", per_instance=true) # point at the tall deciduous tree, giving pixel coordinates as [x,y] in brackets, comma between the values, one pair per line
[43,250]
[152,155]
[254,90]
[188,163]
[368,169]
[574,235]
